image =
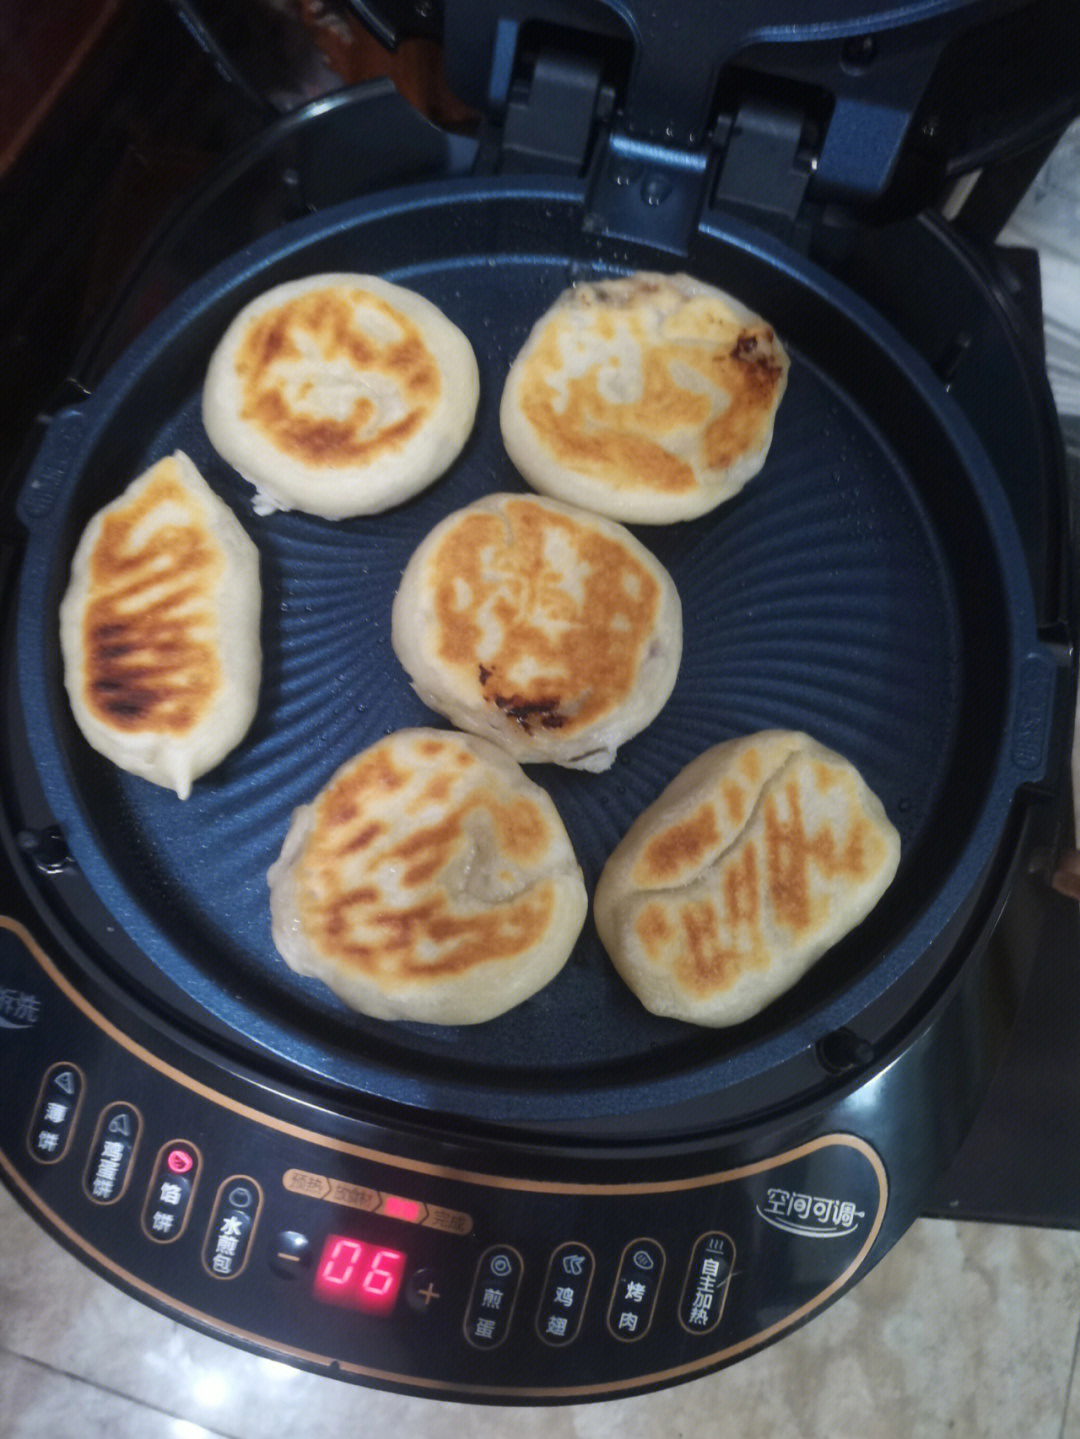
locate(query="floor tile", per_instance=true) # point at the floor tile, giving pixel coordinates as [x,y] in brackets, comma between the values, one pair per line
[40,1403]
[1071,1427]
[962,1332]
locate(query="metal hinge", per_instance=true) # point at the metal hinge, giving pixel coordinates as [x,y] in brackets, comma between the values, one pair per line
[552,116]
[766,165]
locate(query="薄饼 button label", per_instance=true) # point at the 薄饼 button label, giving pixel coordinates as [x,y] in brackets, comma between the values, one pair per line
[53,1122]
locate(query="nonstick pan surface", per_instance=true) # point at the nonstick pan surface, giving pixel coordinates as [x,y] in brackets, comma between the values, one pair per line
[868,586]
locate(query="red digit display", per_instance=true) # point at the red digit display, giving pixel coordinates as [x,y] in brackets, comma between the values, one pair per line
[360,1275]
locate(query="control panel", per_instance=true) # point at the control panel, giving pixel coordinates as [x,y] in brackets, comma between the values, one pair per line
[347,1250]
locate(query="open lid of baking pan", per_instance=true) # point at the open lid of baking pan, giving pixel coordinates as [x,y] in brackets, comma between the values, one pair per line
[869,586]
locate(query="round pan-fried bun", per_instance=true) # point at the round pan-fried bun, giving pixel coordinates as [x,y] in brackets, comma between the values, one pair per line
[430,880]
[159,628]
[340,395]
[552,631]
[754,861]
[649,399]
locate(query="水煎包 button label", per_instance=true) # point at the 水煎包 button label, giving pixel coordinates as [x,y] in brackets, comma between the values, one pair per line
[112,1151]
[705,1287]
[53,1122]
[232,1227]
[566,1290]
[168,1199]
[633,1299]
[494,1294]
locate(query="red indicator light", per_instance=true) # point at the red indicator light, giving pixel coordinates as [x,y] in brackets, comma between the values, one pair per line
[362,1276]
[179,1161]
[399,1208]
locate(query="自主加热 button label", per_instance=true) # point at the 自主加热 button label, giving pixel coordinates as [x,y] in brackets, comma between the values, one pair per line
[705,1287]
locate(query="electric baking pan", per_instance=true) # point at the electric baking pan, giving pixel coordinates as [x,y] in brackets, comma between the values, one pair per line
[868,587]
[890,582]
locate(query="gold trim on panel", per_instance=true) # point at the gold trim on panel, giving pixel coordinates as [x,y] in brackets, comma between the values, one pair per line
[359,1151]
[434,1387]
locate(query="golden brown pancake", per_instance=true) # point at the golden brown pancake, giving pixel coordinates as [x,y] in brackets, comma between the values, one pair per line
[159,628]
[552,631]
[649,399]
[340,395]
[754,861]
[429,880]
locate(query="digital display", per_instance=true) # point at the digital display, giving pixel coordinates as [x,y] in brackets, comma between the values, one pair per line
[359,1275]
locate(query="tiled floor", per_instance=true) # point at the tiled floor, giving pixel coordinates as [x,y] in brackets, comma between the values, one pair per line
[962,1332]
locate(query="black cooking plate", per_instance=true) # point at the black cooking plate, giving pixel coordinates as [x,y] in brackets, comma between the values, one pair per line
[868,586]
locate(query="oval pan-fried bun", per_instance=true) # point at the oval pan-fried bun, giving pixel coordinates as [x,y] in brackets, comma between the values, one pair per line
[550,630]
[340,395]
[159,628]
[649,399]
[754,861]
[430,880]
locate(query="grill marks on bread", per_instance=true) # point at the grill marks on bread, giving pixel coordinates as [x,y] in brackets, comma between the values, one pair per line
[340,394]
[282,352]
[627,430]
[649,399]
[552,615]
[753,862]
[149,627]
[549,629]
[429,880]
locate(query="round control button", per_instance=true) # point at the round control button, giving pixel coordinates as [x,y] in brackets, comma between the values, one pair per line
[290,1253]
[423,1290]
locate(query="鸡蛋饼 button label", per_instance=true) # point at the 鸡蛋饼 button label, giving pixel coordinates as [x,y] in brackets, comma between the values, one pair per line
[112,1151]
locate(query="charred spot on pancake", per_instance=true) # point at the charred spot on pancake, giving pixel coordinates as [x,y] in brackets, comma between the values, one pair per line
[526,712]
[149,625]
[553,617]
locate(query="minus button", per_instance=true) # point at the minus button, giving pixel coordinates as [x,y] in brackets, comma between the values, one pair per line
[291,1253]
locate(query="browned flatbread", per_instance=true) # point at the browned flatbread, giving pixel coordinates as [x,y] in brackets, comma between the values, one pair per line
[754,861]
[340,395]
[649,399]
[550,630]
[429,880]
[159,628]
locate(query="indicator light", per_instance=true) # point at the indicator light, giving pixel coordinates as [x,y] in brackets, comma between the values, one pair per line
[179,1161]
[398,1208]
